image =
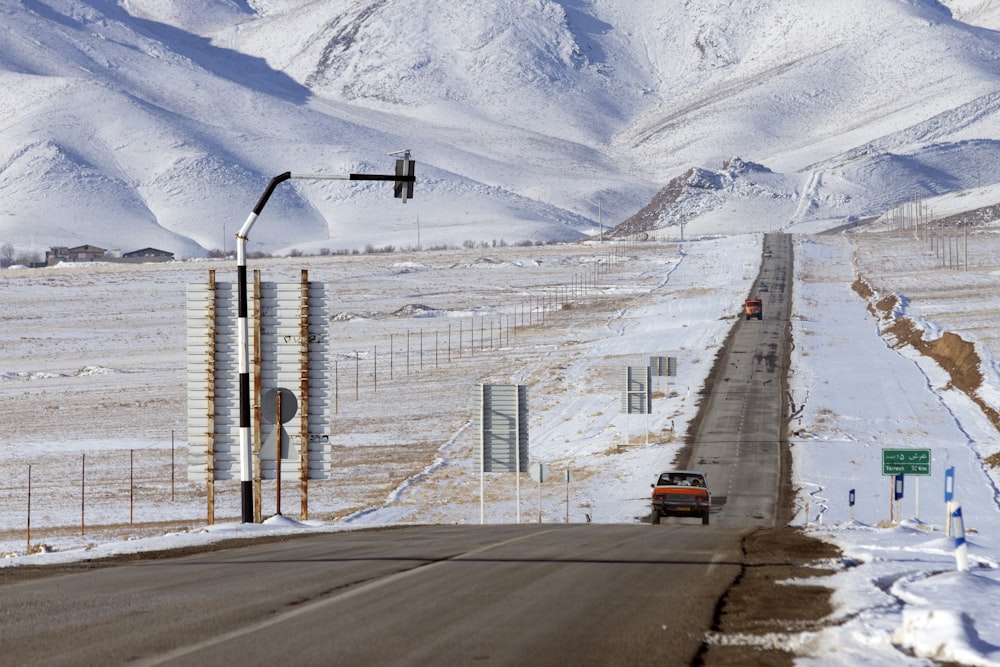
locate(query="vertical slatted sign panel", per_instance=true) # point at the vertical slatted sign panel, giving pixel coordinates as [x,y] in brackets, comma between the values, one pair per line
[501,421]
[320,398]
[637,398]
[213,368]
[293,362]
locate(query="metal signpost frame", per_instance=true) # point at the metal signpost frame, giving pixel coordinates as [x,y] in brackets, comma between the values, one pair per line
[539,473]
[913,462]
[502,425]
[637,395]
[403,189]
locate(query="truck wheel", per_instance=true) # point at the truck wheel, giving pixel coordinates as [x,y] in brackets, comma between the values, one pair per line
[654,518]
[704,519]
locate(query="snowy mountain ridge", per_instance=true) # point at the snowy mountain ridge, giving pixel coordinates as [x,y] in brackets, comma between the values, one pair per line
[159,122]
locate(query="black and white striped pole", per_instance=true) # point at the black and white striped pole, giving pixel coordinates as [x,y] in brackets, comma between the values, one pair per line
[402,189]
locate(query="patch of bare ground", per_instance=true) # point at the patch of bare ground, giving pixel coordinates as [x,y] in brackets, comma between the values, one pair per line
[760,607]
[957,356]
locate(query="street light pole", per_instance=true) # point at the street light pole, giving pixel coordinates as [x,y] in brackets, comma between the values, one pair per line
[600,216]
[403,189]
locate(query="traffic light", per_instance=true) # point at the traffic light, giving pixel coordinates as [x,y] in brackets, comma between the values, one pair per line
[403,187]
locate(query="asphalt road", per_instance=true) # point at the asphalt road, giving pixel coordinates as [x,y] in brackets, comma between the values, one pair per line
[446,595]
[740,440]
[434,595]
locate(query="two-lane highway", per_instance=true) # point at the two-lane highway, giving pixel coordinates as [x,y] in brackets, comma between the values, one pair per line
[421,595]
[740,442]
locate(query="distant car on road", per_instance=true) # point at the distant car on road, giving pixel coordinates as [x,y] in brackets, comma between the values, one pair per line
[681,493]
[763,287]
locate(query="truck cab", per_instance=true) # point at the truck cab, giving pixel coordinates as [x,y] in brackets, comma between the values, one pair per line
[753,308]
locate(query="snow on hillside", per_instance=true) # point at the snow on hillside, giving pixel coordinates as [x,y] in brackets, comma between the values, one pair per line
[159,123]
[985,13]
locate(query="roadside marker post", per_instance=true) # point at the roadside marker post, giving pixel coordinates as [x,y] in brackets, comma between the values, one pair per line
[897,495]
[850,501]
[961,548]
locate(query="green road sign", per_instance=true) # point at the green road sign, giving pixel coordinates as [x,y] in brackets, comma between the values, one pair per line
[906,462]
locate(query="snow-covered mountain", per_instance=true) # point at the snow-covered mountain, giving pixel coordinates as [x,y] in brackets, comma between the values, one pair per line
[135,123]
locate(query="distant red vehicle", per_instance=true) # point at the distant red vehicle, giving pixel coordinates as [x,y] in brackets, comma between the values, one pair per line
[753,308]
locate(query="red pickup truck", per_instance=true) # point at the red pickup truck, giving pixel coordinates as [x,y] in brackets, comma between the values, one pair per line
[681,493]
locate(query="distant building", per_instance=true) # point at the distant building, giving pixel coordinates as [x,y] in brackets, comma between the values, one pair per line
[147,255]
[81,253]
[91,253]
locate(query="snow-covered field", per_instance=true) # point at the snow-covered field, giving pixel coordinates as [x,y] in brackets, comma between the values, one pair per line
[93,374]
[107,372]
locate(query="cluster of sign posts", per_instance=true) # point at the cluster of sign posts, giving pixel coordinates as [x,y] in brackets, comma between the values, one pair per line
[897,464]
[637,388]
[501,425]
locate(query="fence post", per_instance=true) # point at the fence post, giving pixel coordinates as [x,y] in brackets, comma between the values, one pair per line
[28,547]
[83,493]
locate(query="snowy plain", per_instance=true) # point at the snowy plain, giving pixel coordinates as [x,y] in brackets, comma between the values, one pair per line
[899,598]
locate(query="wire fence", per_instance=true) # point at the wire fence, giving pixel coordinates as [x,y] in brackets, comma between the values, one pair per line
[84,491]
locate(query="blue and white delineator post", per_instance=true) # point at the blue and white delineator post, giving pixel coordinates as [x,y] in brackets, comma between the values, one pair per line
[403,189]
[949,497]
[961,548]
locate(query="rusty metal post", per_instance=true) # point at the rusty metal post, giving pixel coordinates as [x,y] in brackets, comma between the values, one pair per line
[304,438]
[277,453]
[210,444]
[258,325]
